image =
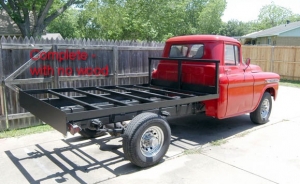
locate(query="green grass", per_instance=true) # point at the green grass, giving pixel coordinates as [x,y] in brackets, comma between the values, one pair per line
[243,134]
[218,142]
[192,151]
[290,83]
[25,131]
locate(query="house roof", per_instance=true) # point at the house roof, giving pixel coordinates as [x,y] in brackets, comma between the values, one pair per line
[52,35]
[8,26]
[274,31]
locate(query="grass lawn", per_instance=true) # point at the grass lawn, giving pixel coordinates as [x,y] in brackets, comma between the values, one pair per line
[289,83]
[25,131]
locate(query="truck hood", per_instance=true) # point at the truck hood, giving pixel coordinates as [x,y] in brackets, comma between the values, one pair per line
[255,68]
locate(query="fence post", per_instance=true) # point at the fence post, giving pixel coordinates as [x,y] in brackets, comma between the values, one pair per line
[272,60]
[115,64]
[4,104]
[2,79]
[55,77]
[3,93]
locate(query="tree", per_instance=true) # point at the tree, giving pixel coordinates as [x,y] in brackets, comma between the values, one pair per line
[294,18]
[102,19]
[66,24]
[149,20]
[210,17]
[33,16]
[238,28]
[273,15]
[233,28]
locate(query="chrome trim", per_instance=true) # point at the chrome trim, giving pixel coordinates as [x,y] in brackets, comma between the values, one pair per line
[268,81]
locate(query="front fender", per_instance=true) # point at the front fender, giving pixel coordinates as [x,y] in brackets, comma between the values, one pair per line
[271,87]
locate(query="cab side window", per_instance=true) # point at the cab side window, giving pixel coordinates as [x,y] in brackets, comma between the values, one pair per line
[231,55]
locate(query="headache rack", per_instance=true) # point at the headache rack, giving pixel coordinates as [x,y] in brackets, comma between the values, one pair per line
[110,104]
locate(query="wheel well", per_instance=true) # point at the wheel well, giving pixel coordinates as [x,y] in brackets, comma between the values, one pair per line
[272,92]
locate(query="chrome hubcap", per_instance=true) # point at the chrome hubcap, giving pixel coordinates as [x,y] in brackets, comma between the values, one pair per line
[151,141]
[265,108]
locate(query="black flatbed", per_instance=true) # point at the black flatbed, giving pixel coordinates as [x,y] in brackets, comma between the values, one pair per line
[111,104]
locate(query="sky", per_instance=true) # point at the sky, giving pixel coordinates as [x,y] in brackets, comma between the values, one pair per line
[247,10]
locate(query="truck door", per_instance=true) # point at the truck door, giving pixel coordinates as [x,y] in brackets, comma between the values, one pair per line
[240,82]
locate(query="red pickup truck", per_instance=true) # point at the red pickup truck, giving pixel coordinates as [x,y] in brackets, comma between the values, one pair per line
[197,73]
[244,88]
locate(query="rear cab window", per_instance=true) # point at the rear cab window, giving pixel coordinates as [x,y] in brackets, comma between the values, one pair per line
[195,51]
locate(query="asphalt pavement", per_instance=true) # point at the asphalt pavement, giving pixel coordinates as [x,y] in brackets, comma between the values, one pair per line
[202,150]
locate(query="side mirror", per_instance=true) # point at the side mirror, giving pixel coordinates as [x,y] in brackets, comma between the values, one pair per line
[248,61]
[247,64]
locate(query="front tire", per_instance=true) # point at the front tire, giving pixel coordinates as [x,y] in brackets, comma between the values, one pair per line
[146,139]
[262,113]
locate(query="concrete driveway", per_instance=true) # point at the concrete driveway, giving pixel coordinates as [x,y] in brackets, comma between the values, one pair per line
[242,153]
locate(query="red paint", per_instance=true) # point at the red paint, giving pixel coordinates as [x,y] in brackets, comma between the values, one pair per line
[240,90]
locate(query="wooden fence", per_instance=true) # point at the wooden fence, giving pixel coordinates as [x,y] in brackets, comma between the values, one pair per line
[35,64]
[283,60]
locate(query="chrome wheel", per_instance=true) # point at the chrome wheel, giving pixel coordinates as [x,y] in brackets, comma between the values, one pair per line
[265,109]
[151,141]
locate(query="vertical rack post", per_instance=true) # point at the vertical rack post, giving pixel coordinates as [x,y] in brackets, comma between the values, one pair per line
[217,77]
[115,64]
[55,66]
[149,70]
[179,73]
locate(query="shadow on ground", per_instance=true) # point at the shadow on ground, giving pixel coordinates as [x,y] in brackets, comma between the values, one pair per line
[96,160]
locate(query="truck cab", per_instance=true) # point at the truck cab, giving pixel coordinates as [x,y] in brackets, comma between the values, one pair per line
[241,84]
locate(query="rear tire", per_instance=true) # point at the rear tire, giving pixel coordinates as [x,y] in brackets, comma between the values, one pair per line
[262,113]
[146,139]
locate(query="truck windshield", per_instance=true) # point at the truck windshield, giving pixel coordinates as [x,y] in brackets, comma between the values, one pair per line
[187,51]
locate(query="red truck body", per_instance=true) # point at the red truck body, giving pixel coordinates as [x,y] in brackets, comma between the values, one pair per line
[241,86]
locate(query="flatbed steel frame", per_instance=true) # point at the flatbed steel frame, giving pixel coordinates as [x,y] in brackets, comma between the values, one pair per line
[111,104]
